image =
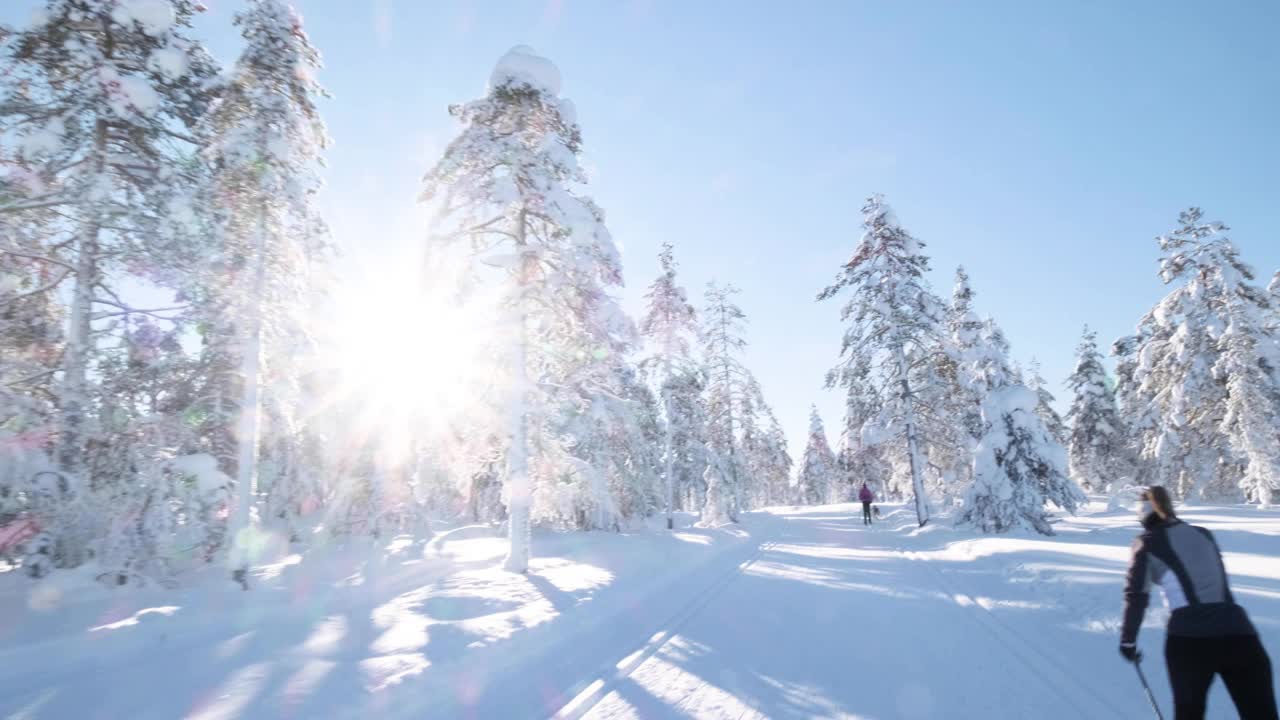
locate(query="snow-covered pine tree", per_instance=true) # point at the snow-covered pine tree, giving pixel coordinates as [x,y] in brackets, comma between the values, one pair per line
[1198,378]
[1249,362]
[1018,467]
[31,323]
[266,140]
[689,437]
[99,96]
[894,323]
[862,461]
[507,190]
[1044,406]
[728,380]
[715,509]
[670,326]
[777,472]
[638,482]
[766,462]
[819,478]
[966,333]
[1096,450]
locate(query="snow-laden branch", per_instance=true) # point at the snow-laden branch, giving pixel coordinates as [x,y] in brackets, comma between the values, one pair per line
[39,290]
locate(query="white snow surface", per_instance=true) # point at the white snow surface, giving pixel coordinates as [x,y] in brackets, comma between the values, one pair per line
[796,613]
[523,65]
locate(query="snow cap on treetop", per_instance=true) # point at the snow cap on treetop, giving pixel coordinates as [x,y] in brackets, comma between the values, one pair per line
[523,65]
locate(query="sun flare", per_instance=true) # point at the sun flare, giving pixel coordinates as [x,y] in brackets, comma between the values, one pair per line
[405,357]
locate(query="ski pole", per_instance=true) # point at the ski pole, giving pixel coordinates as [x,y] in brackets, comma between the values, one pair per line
[1137,665]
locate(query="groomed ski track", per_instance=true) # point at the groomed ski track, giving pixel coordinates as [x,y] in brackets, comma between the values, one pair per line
[829,618]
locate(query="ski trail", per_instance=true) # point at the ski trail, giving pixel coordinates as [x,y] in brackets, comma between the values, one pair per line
[1017,644]
[608,680]
[827,620]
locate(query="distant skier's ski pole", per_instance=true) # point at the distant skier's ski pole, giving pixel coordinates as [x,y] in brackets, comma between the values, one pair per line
[1150,698]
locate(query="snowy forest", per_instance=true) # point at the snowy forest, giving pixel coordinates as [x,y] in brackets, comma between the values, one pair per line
[172,396]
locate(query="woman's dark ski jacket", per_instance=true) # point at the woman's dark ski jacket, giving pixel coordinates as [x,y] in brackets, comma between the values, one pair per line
[1185,562]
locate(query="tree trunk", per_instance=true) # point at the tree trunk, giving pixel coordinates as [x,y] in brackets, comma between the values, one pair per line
[250,401]
[669,435]
[913,449]
[519,490]
[73,395]
[728,401]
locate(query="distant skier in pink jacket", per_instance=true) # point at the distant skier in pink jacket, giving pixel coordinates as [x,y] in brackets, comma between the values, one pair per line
[867,497]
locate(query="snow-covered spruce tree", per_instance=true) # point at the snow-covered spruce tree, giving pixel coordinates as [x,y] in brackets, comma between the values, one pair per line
[101,98]
[638,483]
[721,338]
[506,189]
[766,462]
[266,140]
[669,326]
[966,332]
[1044,407]
[1198,377]
[894,323]
[689,437]
[98,97]
[729,383]
[777,473]
[1096,439]
[716,480]
[819,477]
[30,341]
[1018,467]
[861,458]
[1248,361]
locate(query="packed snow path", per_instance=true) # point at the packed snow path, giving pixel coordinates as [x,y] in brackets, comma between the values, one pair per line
[795,613]
[833,619]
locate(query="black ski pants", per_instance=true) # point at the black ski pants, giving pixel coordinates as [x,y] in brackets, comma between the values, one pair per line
[1239,659]
[866,513]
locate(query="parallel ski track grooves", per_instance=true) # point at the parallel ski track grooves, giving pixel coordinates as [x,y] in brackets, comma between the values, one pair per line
[607,680]
[1003,634]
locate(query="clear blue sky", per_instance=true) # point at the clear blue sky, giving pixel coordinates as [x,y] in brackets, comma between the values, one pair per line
[1042,145]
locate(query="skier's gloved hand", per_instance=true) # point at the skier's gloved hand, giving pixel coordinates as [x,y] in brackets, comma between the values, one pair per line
[1130,652]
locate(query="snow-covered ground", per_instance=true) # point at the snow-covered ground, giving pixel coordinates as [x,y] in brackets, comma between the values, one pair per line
[800,612]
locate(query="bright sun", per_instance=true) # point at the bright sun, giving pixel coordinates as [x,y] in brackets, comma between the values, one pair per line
[406,357]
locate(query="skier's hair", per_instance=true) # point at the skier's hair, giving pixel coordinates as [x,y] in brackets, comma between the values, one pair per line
[1160,501]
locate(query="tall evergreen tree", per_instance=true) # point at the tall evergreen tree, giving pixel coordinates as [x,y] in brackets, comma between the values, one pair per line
[1018,467]
[508,190]
[266,140]
[1096,449]
[862,461]
[1248,362]
[775,468]
[670,325]
[101,99]
[819,476]
[689,437]
[728,380]
[101,96]
[966,333]
[894,323]
[765,460]
[1044,406]
[1198,376]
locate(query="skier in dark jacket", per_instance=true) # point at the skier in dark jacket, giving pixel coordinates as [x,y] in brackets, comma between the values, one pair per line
[1208,633]
[866,496]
